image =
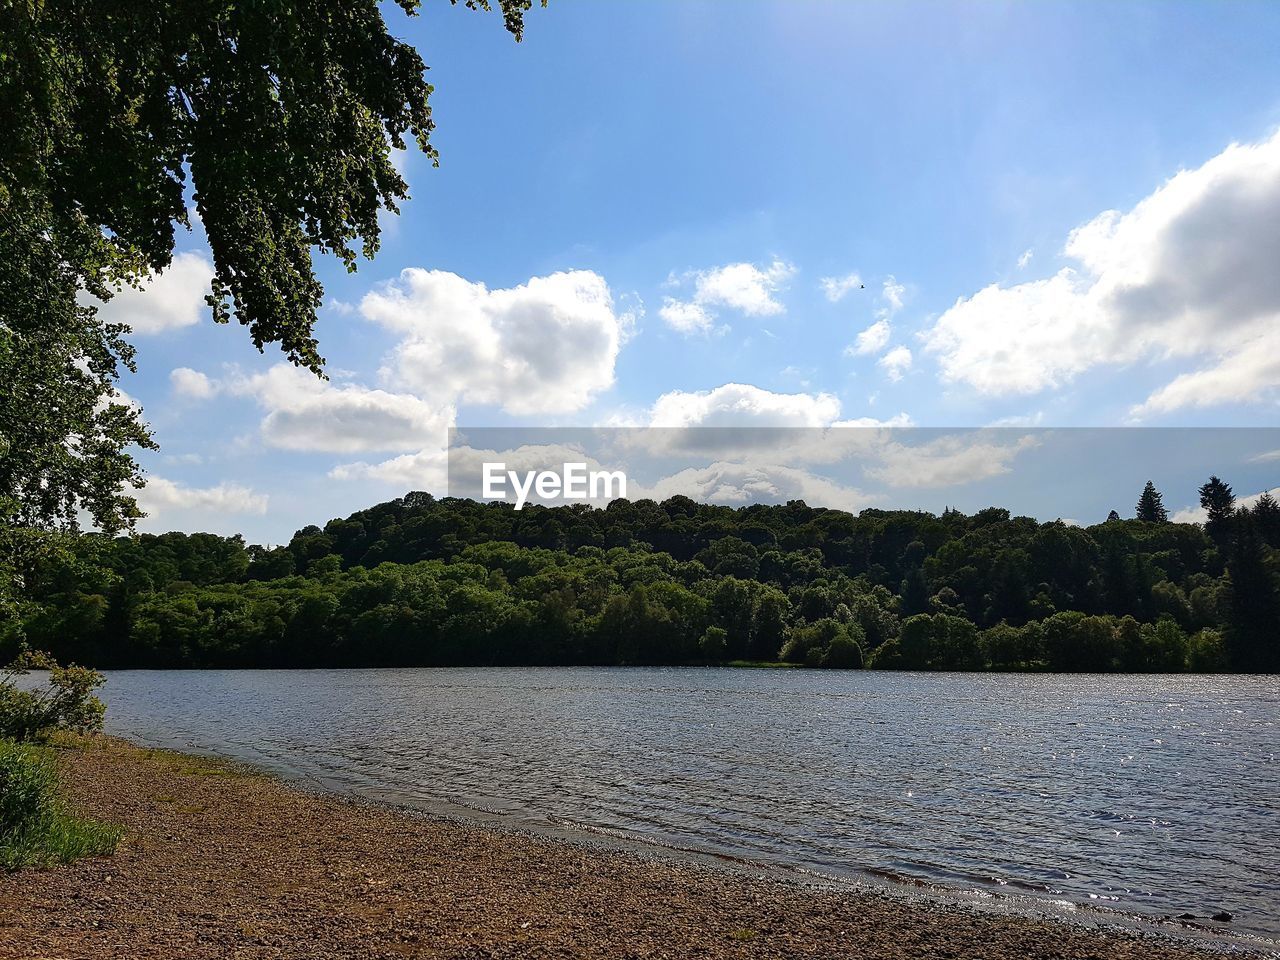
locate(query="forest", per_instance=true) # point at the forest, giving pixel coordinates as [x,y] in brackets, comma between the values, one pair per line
[421,581]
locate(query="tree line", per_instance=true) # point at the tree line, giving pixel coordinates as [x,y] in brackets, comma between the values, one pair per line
[426,581]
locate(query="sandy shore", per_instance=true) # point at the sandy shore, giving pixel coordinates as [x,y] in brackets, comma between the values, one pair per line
[220,862]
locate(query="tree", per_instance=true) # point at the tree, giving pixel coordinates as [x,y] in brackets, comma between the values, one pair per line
[1151,505]
[277,122]
[1112,516]
[1266,515]
[1254,599]
[1219,503]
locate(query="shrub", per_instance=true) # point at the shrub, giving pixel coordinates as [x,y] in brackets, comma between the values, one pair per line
[35,828]
[67,703]
[826,643]
[714,644]
[931,642]
[25,784]
[843,654]
[1207,653]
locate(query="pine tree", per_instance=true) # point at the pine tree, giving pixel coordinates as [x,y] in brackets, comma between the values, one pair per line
[1151,505]
[1266,514]
[1219,503]
[1112,516]
[1255,602]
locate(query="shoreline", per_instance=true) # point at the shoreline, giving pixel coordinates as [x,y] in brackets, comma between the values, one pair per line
[223,860]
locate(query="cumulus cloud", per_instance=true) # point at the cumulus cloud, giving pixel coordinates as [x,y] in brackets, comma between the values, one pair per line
[545,346]
[192,383]
[735,484]
[741,404]
[1188,272]
[161,495]
[305,413]
[871,340]
[896,363]
[745,422]
[170,300]
[425,470]
[686,317]
[1241,376]
[949,460]
[744,287]
[836,288]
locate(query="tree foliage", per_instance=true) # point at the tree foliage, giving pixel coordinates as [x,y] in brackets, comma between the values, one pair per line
[274,121]
[1151,505]
[422,581]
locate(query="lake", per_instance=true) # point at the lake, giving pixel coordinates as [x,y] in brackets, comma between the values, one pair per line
[1147,795]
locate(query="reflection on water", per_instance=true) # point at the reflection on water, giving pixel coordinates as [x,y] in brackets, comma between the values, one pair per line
[1154,795]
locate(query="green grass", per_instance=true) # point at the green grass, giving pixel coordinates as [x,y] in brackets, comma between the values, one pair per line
[37,828]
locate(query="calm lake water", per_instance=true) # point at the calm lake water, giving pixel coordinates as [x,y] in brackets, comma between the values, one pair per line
[1144,795]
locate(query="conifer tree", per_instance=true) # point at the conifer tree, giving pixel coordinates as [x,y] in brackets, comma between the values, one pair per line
[1151,505]
[1219,503]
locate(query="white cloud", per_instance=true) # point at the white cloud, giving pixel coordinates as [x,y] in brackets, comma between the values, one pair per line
[735,484]
[836,288]
[892,293]
[161,495]
[191,383]
[949,460]
[739,286]
[1019,420]
[744,422]
[184,459]
[685,317]
[425,470]
[1189,271]
[896,363]
[871,340]
[1247,374]
[740,404]
[1200,515]
[545,346]
[308,414]
[876,337]
[1025,259]
[172,299]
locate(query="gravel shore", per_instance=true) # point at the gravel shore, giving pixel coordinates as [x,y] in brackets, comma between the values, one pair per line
[220,862]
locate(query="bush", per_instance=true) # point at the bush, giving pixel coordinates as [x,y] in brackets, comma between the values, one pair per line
[67,703]
[826,643]
[35,827]
[714,644]
[1207,653]
[843,654]
[25,784]
[931,642]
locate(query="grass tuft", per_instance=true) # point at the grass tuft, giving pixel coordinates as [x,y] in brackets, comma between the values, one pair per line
[36,828]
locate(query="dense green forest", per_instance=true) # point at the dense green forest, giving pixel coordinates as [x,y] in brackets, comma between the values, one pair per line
[425,581]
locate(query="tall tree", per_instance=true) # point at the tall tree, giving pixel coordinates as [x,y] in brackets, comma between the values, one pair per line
[277,121]
[1266,514]
[1151,505]
[1219,503]
[1252,638]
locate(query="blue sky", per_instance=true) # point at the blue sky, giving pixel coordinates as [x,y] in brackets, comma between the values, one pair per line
[652,194]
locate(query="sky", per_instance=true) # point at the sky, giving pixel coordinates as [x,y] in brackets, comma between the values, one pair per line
[792,213]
